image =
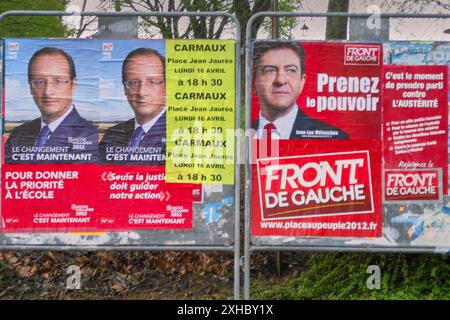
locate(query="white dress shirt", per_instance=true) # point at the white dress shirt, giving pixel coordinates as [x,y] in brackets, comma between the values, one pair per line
[148,125]
[55,124]
[284,124]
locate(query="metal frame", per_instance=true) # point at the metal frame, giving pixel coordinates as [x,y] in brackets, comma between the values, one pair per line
[119,248]
[248,248]
[236,247]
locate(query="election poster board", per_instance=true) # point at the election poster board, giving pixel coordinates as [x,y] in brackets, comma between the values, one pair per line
[350,144]
[84,148]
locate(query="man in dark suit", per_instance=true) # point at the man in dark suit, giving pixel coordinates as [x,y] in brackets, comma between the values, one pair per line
[279,77]
[60,135]
[141,140]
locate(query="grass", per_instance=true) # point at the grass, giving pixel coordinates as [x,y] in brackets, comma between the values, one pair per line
[343,276]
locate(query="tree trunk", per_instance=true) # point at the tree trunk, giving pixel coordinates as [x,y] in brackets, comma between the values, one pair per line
[337,26]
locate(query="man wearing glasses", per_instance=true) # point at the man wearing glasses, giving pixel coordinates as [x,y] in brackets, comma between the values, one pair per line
[60,135]
[142,139]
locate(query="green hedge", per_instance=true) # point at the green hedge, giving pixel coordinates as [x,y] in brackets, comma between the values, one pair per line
[343,276]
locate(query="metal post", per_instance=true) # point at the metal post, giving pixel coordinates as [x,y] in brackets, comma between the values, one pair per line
[275,21]
[248,153]
[236,247]
[237,164]
[276,35]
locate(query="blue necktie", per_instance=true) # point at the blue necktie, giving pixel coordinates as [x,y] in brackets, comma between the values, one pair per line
[136,138]
[43,136]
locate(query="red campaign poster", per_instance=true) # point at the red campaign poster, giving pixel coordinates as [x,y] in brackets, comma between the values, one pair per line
[62,198]
[415,135]
[138,198]
[48,198]
[318,189]
[320,104]
[340,88]
[82,149]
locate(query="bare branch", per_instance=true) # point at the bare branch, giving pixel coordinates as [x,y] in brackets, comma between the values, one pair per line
[222,25]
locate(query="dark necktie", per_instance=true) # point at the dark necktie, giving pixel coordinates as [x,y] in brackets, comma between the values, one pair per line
[136,138]
[268,128]
[43,136]
[267,135]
